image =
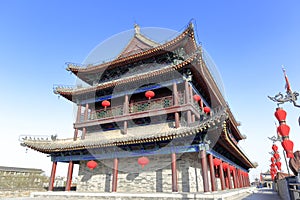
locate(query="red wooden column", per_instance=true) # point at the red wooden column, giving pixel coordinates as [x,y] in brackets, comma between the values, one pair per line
[191,96]
[212,173]
[85,119]
[77,120]
[238,178]
[52,176]
[115,175]
[187,100]
[223,187]
[204,170]
[234,178]
[175,102]
[69,176]
[174,173]
[229,177]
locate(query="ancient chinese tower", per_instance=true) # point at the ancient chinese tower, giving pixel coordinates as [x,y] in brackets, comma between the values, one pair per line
[151,120]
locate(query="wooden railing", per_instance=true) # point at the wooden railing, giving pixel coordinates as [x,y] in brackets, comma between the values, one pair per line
[136,107]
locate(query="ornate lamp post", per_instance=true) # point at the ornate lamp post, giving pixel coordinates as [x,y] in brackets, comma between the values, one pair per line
[283,129]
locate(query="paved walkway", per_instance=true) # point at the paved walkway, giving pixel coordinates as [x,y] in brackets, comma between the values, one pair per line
[263,194]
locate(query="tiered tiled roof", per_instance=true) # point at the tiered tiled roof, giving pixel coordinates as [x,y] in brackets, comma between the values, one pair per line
[116,138]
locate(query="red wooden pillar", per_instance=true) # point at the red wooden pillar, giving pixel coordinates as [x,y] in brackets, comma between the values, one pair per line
[175,102]
[69,176]
[239,178]
[223,187]
[229,177]
[234,178]
[174,173]
[191,96]
[52,176]
[115,175]
[212,173]
[204,170]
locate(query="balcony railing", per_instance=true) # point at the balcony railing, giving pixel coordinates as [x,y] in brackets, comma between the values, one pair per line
[136,107]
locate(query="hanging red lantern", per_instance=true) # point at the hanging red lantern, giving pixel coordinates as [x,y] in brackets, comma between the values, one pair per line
[143,161]
[272,165]
[206,110]
[274,147]
[283,130]
[217,162]
[272,159]
[278,165]
[197,97]
[276,156]
[105,104]
[280,114]
[225,165]
[231,168]
[92,164]
[288,146]
[149,94]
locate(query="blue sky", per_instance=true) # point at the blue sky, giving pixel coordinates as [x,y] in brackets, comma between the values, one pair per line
[248,40]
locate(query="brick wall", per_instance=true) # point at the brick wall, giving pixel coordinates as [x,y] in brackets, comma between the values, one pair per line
[154,177]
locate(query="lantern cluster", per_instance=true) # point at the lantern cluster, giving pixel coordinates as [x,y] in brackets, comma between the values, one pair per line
[273,169]
[276,156]
[283,131]
[205,109]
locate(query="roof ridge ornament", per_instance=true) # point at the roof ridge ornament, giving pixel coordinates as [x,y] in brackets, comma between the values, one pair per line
[137,29]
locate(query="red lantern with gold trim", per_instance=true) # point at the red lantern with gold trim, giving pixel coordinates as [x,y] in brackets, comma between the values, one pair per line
[283,130]
[280,114]
[288,146]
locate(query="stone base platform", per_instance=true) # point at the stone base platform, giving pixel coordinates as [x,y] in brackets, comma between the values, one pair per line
[220,195]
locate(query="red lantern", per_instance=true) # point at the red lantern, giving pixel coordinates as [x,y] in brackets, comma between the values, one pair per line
[206,110]
[276,156]
[274,147]
[225,166]
[231,168]
[278,165]
[149,94]
[283,130]
[287,145]
[272,159]
[217,162]
[280,114]
[272,165]
[143,161]
[105,103]
[197,97]
[92,164]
